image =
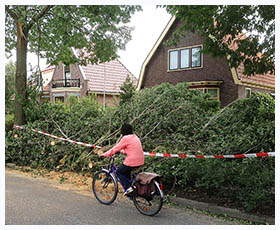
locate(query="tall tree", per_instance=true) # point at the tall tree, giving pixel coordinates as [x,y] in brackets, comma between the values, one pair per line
[245,34]
[51,31]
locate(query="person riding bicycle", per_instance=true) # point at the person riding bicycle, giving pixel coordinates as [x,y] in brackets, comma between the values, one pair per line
[130,145]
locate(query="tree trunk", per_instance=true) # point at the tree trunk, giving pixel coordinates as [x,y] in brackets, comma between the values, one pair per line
[21,54]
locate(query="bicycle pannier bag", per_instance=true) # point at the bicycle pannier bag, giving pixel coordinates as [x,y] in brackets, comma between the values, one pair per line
[145,184]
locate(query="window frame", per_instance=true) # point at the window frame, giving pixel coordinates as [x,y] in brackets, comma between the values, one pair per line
[59,98]
[169,59]
[205,90]
[189,60]
[248,90]
[66,69]
[179,62]
[191,55]
[213,98]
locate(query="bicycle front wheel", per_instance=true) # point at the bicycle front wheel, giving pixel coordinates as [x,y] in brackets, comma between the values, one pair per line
[105,187]
[152,206]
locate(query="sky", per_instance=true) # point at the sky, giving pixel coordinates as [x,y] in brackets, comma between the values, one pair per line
[148,25]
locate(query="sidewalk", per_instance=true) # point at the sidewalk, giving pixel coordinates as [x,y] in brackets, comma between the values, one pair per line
[222,210]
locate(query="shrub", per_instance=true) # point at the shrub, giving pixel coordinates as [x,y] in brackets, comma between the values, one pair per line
[9,122]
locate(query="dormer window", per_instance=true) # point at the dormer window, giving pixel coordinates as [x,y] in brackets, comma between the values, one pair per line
[185,58]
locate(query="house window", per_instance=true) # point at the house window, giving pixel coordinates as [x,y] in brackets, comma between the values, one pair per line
[201,91]
[185,58]
[173,59]
[213,92]
[196,57]
[248,92]
[57,99]
[67,75]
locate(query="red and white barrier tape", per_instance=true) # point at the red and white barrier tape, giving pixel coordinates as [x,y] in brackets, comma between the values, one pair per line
[267,154]
[59,138]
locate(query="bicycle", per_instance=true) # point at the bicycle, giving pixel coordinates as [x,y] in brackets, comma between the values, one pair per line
[105,189]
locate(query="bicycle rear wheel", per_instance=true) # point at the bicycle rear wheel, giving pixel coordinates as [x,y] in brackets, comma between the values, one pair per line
[150,207]
[104,187]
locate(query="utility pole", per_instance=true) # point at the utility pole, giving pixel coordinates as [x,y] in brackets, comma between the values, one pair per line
[104,93]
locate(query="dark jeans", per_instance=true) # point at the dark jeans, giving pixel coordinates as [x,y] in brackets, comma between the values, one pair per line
[124,173]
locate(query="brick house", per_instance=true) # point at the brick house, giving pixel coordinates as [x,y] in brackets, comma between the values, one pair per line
[185,63]
[103,80]
[47,74]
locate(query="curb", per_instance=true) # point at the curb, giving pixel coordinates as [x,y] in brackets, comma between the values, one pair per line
[222,210]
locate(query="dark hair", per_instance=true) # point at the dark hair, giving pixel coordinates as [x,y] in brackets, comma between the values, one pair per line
[126,129]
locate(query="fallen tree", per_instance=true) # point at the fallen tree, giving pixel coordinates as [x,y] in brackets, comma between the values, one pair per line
[170,119]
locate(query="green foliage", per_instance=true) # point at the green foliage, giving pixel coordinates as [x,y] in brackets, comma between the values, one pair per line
[9,122]
[167,118]
[10,75]
[229,21]
[73,120]
[247,126]
[59,27]
[160,110]
[127,91]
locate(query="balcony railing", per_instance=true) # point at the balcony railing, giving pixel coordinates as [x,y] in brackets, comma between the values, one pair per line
[66,83]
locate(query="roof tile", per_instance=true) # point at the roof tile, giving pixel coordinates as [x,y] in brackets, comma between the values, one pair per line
[262,79]
[109,76]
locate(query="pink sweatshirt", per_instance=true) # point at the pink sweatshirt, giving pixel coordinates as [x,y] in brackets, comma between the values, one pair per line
[132,147]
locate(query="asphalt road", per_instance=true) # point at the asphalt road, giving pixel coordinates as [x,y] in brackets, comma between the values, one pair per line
[35,201]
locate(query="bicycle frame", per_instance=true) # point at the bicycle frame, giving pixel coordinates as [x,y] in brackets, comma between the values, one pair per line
[113,169]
